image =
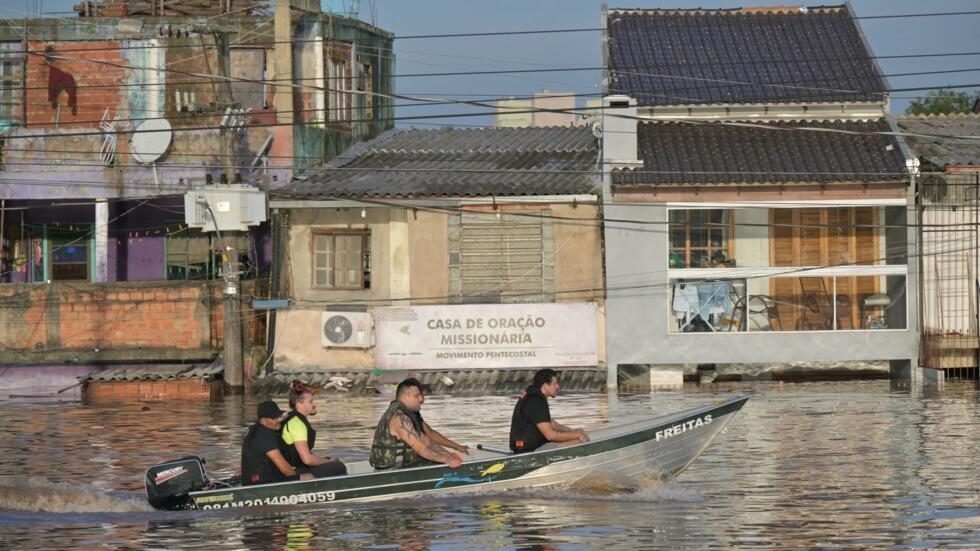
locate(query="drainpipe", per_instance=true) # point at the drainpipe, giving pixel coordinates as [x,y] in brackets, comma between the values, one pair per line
[276,228]
[913,167]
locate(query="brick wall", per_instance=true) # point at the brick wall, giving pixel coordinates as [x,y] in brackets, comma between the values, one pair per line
[98,69]
[107,392]
[186,60]
[149,320]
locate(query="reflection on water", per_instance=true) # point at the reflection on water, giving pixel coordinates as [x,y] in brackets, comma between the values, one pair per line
[802,466]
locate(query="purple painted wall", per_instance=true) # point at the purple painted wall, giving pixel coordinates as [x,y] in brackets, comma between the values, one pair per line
[137,236]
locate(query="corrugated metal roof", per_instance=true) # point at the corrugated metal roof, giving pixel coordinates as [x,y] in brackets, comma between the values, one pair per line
[510,380]
[779,152]
[944,141]
[458,162]
[157,372]
[741,55]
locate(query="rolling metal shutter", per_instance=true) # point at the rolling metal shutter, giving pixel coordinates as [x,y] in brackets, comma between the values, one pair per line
[505,259]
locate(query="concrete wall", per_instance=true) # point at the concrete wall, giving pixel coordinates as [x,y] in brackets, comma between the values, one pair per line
[752,245]
[409,265]
[578,253]
[429,238]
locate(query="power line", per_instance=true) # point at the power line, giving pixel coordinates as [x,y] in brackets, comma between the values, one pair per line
[597,29]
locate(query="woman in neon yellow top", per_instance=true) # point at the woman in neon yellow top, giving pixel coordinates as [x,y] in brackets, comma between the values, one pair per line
[298,436]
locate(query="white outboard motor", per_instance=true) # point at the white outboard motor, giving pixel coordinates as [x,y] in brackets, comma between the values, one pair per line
[168,484]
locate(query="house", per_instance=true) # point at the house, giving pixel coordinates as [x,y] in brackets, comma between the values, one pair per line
[109,120]
[452,249]
[948,155]
[545,108]
[756,199]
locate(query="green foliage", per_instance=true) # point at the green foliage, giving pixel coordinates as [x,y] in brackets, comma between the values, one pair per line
[942,102]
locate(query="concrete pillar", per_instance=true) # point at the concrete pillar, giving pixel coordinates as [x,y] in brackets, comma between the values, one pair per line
[283,55]
[101,241]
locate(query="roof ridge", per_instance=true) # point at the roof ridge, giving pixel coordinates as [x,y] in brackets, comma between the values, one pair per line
[351,154]
[751,10]
[939,116]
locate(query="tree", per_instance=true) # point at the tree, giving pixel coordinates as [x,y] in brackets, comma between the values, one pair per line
[942,102]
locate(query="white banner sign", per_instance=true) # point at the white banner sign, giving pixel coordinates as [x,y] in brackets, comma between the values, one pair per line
[486,335]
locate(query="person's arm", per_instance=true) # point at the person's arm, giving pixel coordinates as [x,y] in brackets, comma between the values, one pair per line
[401,426]
[554,432]
[309,458]
[284,467]
[300,439]
[438,438]
[563,428]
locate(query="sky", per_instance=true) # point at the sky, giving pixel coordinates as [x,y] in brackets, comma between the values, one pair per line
[926,33]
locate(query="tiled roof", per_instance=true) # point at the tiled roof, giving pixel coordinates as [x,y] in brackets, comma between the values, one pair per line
[951,140]
[679,153]
[478,162]
[750,55]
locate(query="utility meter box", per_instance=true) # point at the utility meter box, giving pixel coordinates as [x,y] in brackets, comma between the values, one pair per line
[232,207]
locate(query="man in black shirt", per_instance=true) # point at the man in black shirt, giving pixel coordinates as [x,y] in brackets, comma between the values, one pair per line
[532,426]
[262,462]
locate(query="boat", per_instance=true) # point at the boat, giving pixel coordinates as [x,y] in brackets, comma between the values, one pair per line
[660,447]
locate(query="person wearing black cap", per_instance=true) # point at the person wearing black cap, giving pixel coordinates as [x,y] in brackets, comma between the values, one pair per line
[262,462]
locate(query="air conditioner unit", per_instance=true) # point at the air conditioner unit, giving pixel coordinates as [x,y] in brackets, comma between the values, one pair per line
[934,189]
[346,330]
[949,190]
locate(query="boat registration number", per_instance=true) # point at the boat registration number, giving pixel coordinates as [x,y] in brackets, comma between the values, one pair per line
[292,499]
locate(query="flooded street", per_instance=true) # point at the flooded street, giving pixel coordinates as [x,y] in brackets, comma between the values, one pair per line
[828,465]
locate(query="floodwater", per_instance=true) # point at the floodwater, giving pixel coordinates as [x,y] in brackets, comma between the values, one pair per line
[830,465]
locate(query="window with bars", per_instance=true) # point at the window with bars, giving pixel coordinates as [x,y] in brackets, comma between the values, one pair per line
[365,86]
[11,82]
[69,254]
[339,96]
[699,238]
[341,259]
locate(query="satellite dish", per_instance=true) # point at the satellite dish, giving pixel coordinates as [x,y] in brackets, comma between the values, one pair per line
[150,140]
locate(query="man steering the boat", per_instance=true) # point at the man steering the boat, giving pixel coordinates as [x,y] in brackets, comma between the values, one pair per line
[262,461]
[403,439]
[531,426]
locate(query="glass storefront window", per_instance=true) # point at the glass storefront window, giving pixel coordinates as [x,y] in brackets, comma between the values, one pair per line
[789,303]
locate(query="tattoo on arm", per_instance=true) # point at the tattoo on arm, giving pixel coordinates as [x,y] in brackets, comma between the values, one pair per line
[418,441]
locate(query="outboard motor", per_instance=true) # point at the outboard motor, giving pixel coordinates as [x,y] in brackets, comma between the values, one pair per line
[168,484]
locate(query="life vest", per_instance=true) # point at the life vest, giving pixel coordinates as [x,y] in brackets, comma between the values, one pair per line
[387,448]
[289,450]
